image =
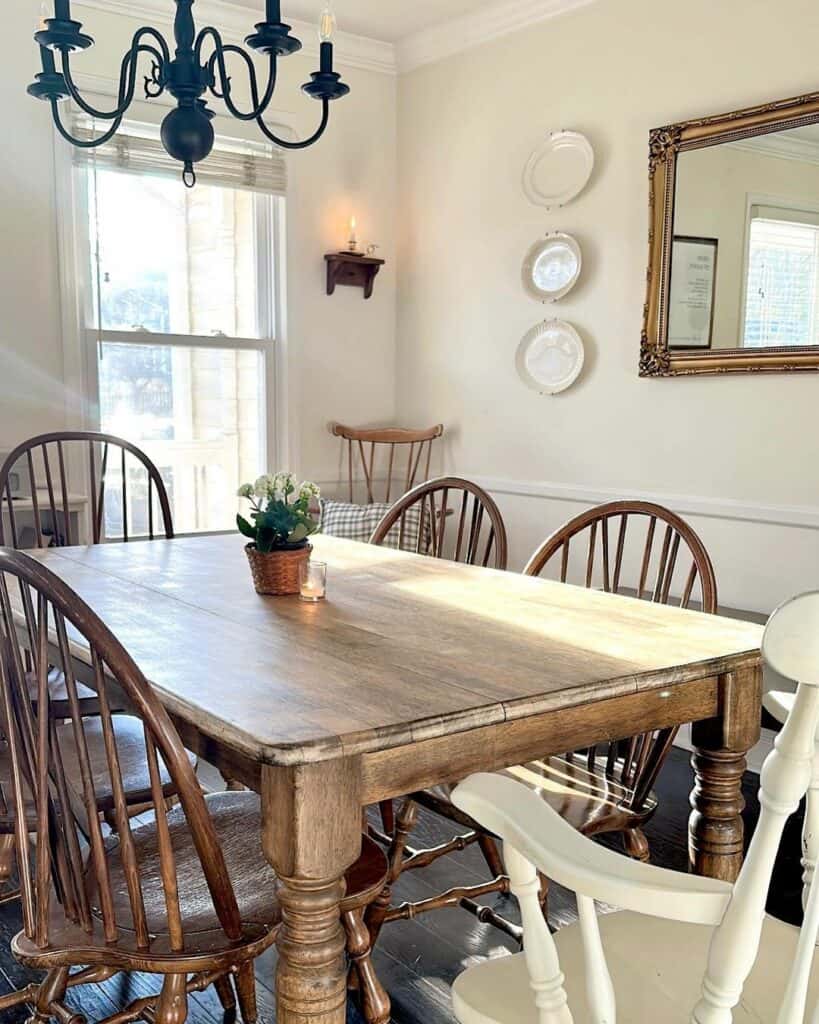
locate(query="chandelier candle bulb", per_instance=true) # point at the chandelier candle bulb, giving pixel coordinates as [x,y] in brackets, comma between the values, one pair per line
[327,25]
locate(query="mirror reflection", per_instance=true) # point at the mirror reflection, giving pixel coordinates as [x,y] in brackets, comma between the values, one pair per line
[745,249]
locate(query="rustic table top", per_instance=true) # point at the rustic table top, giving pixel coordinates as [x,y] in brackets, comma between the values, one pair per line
[404,648]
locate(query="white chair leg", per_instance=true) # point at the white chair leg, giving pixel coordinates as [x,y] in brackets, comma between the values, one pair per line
[599,989]
[540,951]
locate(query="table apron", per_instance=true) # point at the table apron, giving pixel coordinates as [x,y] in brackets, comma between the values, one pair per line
[415,766]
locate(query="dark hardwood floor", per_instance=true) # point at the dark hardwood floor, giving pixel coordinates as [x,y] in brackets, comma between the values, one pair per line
[417,960]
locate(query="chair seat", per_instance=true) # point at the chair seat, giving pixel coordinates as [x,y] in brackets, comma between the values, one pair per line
[238,822]
[130,740]
[58,694]
[587,799]
[657,967]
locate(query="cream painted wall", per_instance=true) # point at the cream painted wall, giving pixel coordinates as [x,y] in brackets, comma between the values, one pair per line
[614,70]
[713,186]
[32,397]
[342,349]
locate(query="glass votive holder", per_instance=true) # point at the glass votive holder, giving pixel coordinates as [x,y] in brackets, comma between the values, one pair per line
[312,581]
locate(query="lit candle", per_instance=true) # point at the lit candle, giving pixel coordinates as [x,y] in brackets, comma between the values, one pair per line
[312,581]
[353,240]
[42,20]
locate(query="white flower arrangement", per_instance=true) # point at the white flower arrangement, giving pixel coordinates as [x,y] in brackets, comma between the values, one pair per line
[280,511]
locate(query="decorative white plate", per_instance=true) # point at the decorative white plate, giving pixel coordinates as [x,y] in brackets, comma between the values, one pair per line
[552,267]
[550,357]
[559,169]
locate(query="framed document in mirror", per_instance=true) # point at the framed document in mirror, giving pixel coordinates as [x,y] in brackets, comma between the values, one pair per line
[693,284]
[744,184]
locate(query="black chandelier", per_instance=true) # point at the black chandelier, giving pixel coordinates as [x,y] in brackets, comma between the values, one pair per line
[187,132]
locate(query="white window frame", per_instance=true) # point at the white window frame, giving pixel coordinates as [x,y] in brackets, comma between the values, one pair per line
[80,341]
[753,199]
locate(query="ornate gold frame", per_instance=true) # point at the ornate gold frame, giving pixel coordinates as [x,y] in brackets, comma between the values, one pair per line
[665,144]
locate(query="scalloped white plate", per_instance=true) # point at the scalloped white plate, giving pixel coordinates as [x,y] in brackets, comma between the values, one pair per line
[550,357]
[559,169]
[552,267]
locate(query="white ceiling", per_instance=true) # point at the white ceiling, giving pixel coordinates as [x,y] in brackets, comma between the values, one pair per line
[388,20]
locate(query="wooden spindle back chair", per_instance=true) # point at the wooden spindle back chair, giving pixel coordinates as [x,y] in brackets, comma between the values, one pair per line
[383,463]
[124,904]
[645,550]
[682,948]
[110,469]
[452,518]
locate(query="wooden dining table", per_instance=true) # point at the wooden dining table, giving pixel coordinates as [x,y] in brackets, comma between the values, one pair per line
[414,671]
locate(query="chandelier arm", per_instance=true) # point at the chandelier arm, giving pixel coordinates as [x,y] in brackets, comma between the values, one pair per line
[127,75]
[83,143]
[218,58]
[286,144]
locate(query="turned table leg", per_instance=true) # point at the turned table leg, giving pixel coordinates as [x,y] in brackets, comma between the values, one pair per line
[311,833]
[715,828]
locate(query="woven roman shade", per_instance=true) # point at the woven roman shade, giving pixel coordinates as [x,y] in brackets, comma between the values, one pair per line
[136,148]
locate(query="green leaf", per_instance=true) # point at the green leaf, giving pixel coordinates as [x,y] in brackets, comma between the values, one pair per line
[298,534]
[245,528]
[265,541]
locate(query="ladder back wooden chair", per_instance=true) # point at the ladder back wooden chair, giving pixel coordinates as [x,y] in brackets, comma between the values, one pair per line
[188,896]
[596,790]
[680,948]
[121,483]
[452,518]
[386,462]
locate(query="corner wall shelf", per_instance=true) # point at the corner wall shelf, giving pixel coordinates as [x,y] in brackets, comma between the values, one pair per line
[351,269]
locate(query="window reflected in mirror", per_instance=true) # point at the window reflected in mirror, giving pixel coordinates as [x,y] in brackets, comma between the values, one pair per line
[745,244]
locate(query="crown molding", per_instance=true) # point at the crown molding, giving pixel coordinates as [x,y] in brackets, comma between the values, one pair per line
[463,33]
[236,21]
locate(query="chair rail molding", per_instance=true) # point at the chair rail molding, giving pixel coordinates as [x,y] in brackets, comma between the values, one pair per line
[804,516]
[482,26]
[235,21]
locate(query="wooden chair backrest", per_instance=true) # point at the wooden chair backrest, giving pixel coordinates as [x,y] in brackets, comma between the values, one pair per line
[389,460]
[40,616]
[605,536]
[459,521]
[536,838]
[112,464]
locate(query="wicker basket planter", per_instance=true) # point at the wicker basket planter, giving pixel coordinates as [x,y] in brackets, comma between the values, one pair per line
[277,572]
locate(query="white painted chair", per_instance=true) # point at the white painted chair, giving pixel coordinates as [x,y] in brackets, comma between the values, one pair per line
[683,948]
[780,704]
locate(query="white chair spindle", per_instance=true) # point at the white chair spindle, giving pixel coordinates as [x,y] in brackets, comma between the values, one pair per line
[545,976]
[792,1010]
[599,987]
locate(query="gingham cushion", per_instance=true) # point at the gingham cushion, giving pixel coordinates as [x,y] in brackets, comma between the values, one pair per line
[357,522]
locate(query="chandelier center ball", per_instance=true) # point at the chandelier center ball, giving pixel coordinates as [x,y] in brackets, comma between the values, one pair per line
[187,134]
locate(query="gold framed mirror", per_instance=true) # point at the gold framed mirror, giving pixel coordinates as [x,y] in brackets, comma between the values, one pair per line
[733,274]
